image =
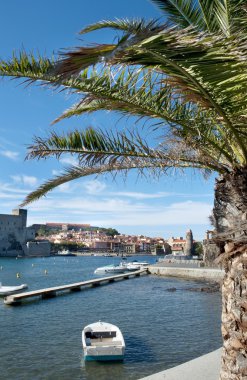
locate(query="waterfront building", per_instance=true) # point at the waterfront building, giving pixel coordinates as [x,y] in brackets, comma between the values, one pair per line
[66,226]
[180,246]
[177,245]
[16,239]
[130,248]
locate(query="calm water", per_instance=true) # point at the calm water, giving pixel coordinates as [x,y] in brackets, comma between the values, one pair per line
[42,339]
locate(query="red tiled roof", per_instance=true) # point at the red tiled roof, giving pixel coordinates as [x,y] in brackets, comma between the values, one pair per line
[177,248]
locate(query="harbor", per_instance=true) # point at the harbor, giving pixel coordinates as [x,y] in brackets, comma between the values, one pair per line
[18,299]
[144,308]
[159,269]
[150,160]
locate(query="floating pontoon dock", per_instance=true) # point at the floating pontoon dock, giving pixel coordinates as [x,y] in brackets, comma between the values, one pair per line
[16,299]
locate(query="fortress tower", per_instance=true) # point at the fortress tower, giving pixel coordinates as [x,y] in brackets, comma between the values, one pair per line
[22,214]
[188,249]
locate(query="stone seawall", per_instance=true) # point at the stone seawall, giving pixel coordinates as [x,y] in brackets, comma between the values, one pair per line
[193,273]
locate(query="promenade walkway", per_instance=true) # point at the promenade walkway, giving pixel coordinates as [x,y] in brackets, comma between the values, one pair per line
[184,270]
[206,367]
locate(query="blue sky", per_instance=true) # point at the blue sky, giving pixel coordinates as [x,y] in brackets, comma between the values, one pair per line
[165,207]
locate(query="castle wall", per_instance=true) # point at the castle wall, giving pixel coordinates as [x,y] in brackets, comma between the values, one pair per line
[14,234]
[38,248]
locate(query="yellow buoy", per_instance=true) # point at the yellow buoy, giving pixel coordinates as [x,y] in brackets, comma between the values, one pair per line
[18,275]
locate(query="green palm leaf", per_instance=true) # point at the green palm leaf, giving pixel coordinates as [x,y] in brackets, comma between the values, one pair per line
[182,12]
[140,93]
[206,15]
[192,84]
[131,27]
[107,152]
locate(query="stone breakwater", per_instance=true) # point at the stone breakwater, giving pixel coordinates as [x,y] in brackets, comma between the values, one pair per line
[211,274]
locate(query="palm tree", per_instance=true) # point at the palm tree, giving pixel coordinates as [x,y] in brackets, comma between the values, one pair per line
[189,76]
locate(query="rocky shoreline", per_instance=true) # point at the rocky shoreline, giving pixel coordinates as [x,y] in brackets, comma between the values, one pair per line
[211,287]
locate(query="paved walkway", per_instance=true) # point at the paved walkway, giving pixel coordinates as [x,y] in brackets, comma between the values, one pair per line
[206,367]
[186,271]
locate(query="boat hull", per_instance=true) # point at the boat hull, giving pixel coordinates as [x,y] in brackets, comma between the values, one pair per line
[110,269]
[104,358]
[122,270]
[8,290]
[104,353]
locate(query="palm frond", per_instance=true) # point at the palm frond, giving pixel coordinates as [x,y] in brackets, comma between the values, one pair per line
[182,12]
[204,15]
[97,147]
[79,58]
[141,93]
[27,65]
[131,27]
[218,65]
[72,62]
[100,153]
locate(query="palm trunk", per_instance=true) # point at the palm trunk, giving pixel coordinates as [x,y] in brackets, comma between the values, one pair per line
[230,219]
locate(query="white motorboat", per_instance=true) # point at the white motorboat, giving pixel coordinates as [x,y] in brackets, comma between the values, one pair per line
[103,342]
[136,265]
[8,290]
[65,252]
[102,270]
[111,269]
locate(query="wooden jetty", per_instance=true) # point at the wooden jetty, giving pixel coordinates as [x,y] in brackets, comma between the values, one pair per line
[16,299]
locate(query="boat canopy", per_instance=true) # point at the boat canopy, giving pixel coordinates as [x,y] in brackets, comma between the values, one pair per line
[100,334]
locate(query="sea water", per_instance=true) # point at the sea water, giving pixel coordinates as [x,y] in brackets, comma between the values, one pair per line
[42,339]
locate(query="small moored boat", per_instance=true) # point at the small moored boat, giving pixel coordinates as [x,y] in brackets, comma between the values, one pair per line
[8,290]
[103,342]
[135,265]
[65,252]
[111,269]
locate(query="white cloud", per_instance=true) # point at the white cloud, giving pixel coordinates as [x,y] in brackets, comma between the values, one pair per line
[6,142]
[161,194]
[137,195]
[119,212]
[25,180]
[9,188]
[9,191]
[6,195]
[89,202]
[70,160]
[94,187]
[10,154]
[56,172]
[64,188]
